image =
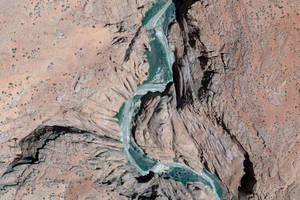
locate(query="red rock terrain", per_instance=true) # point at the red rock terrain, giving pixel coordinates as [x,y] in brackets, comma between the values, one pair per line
[67,67]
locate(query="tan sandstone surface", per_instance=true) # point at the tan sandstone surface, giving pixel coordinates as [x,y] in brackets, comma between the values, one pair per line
[67,66]
[237,96]
[64,63]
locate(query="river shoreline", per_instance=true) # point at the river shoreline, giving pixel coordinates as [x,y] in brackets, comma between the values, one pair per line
[160,59]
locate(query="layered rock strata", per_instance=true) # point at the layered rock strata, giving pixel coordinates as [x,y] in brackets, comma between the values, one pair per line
[67,67]
[236,104]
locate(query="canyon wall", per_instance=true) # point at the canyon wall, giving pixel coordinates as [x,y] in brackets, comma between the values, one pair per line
[233,106]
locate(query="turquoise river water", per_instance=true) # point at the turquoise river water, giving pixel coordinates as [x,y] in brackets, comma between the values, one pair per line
[161,59]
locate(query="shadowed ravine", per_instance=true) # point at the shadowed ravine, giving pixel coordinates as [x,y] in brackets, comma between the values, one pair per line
[149,99]
[160,59]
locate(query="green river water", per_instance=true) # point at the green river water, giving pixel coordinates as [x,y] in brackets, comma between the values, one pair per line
[161,59]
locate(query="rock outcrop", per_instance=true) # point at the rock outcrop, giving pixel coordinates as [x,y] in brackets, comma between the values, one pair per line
[237,93]
[233,108]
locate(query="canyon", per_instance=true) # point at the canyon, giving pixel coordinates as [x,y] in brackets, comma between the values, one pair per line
[229,110]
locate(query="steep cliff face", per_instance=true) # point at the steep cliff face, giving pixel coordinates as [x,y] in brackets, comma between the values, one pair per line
[233,108]
[66,69]
[245,75]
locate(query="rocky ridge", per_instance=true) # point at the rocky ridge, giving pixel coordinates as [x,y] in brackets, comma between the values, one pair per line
[233,107]
[236,79]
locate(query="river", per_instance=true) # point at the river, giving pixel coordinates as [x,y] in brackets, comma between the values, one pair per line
[160,59]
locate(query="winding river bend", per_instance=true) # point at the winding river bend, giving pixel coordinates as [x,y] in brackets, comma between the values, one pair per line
[161,59]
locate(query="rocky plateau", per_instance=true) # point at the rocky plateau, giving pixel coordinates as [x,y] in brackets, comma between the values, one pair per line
[233,108]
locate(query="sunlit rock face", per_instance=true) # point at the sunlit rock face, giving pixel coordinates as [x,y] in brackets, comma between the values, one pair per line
[238,92]
[231,105]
